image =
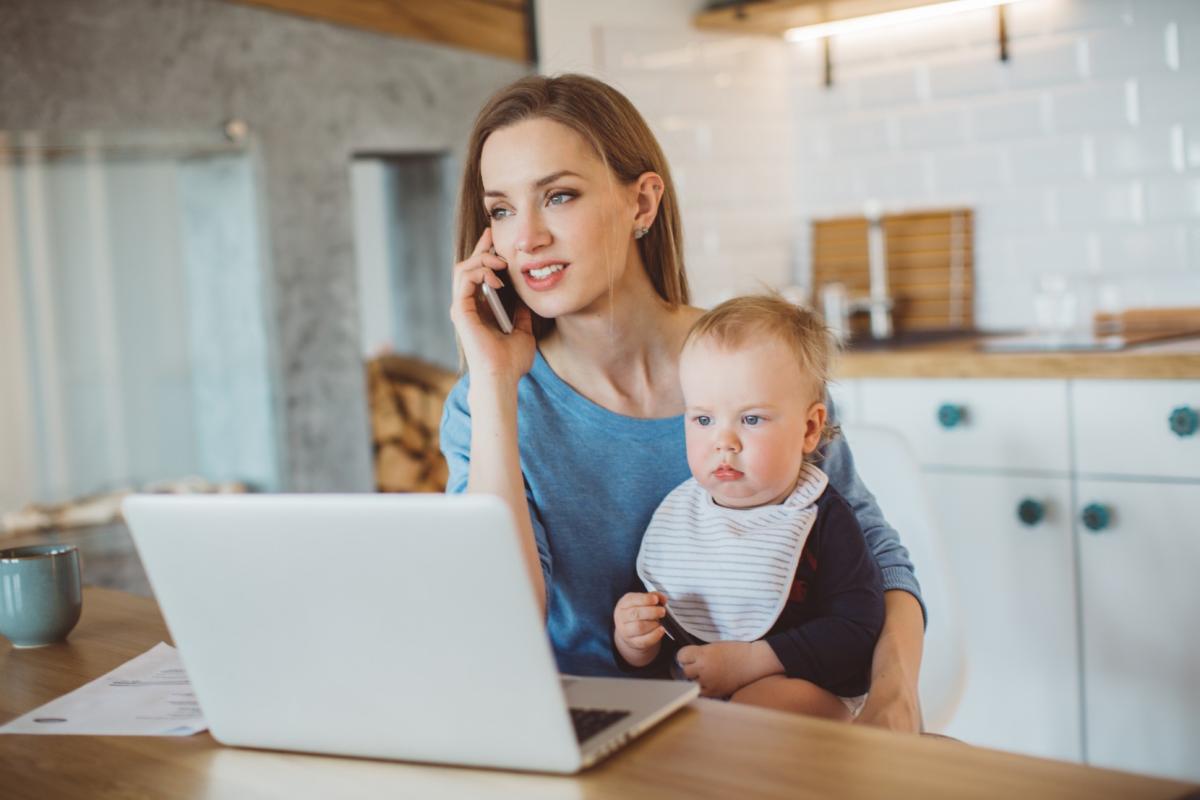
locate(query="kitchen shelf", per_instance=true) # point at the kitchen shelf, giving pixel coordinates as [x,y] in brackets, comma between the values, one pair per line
[774,17]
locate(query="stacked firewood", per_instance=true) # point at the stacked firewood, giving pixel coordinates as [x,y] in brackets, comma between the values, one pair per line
[406,399]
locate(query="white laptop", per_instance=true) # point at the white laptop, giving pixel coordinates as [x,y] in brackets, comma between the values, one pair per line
[384,626]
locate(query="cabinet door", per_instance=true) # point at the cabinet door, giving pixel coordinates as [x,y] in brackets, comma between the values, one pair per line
[1141,627]
[1018,608]
[1000,424]
[1146,428]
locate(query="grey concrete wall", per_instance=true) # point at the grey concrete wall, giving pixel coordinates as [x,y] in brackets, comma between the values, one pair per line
[423,232]
[312,94]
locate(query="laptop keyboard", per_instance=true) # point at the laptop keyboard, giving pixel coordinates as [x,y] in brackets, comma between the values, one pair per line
[590,721]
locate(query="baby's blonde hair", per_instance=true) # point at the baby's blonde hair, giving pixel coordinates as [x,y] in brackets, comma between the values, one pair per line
[748,320]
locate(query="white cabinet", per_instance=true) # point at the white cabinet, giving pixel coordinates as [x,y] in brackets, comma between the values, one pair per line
[1137,428]
[1141,627]
[998,424]
[1137,455]
[1016,593]
[1080,644]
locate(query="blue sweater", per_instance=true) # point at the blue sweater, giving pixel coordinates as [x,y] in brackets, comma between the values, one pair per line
[593,479]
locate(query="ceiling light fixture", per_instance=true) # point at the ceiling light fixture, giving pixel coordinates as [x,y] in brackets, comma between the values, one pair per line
[885,19]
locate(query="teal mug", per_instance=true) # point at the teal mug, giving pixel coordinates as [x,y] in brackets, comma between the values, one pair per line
[41,594]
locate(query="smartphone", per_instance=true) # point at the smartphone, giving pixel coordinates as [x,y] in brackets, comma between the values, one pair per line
[676,632]
[497,307]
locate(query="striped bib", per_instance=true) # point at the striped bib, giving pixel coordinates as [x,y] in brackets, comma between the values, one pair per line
[727,572]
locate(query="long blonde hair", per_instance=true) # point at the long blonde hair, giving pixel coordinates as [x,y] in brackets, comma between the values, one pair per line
[621,138]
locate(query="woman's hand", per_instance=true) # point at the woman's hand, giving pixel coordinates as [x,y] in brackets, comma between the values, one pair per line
[894,702]
[636,628]
[893,707]
[489,351]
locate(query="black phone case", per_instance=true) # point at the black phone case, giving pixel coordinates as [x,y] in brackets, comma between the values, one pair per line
[676,631]
[508,295]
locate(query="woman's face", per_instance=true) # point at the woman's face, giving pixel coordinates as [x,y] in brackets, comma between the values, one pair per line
[559,217]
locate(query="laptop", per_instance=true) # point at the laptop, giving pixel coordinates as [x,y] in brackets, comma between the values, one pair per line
[381,626]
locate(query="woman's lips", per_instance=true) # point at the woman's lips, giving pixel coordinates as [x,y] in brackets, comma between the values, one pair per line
[543,284]
[726,473]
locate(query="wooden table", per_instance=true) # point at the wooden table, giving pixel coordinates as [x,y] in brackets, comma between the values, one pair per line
[710,749]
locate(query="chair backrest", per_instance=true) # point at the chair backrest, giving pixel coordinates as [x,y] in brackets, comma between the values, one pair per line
[887,465]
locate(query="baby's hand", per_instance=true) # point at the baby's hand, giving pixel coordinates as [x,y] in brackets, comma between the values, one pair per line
[721,668]
[637,632]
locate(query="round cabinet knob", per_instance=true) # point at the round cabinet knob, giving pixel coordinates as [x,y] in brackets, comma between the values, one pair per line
[1031,512]
[1096,517]
[1184,421]
[951,416]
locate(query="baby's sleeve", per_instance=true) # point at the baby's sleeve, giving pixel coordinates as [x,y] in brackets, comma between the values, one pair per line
[834,649]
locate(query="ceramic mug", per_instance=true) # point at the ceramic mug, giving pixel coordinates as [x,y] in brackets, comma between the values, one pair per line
[41,594]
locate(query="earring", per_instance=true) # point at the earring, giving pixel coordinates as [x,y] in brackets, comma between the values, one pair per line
[640,232]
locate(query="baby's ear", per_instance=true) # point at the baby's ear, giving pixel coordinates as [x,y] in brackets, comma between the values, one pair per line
[815,426]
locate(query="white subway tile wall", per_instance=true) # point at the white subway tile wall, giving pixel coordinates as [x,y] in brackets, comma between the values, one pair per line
[1080,155]
[721,108]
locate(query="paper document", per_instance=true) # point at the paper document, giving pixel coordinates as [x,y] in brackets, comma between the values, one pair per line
[148,696]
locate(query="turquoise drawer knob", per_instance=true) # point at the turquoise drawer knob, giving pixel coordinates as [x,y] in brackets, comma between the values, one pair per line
[951,416]
[1096,517]
[1184,421]
[1031,512]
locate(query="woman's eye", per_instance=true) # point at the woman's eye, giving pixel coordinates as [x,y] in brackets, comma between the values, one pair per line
[703,421]
[498,212]
[558,198]
[751,419]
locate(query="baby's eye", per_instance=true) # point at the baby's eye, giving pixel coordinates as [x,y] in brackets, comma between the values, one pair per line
[751,419]
[702,420]
[498,212]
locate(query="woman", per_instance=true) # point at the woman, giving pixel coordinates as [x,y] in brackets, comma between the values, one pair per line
[575,418]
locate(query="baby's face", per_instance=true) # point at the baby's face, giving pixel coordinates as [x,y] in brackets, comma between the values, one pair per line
[751,417]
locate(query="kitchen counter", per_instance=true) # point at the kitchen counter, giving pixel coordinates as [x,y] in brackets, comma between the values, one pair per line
[961,358]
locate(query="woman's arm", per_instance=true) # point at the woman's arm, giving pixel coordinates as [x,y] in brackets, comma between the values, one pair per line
[457,435]
[894,701]
[496,361]
[496,463]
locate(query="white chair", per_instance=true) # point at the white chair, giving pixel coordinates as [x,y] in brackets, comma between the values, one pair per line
[887,465]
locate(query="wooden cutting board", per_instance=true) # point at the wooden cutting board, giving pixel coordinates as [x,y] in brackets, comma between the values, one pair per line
[930,264]
[1142,321]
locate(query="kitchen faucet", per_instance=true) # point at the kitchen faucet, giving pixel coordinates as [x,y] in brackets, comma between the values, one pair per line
[838,306]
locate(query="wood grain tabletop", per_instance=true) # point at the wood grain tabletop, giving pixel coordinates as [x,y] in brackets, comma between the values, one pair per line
[709,750]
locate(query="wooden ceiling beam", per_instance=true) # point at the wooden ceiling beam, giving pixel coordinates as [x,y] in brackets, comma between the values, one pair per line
[493,27]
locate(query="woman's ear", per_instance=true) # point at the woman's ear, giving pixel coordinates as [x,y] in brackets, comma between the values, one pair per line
[649,189]
[814,426]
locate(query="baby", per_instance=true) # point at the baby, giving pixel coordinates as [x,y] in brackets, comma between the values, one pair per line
[774,599]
